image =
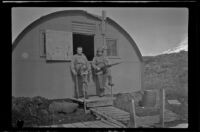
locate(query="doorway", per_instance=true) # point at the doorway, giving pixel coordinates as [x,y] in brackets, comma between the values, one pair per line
[86,42]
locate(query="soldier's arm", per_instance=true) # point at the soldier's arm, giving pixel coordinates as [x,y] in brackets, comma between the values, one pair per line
[94,63]
[108,70]
[87,62]
[106,61]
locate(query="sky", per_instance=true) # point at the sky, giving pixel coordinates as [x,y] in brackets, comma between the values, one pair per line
[154,30]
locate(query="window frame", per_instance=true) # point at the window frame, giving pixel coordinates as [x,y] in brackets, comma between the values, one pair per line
[117,48]
[42,43]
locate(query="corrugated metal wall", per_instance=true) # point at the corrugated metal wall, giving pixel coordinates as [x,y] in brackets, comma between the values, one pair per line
[33,75]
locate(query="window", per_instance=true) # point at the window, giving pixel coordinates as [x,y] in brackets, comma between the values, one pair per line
[112,48]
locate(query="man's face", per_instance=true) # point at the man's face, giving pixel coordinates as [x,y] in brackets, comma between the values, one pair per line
[79,51]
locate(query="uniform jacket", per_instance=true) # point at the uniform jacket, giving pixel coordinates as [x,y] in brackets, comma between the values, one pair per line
[78,61]
[99,61]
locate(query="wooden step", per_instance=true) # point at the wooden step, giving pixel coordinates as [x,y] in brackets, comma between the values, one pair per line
[99,103]
[96,101]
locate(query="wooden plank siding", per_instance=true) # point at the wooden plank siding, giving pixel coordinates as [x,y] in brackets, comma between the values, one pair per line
[99,103]
[103,124]
[79,125]
[114,113]
[68,125]
[91,124]
[110,123]
[92,99]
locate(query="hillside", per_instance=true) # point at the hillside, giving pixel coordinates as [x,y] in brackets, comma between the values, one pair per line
[169,71]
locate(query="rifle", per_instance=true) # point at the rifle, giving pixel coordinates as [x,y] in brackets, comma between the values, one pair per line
[106,66]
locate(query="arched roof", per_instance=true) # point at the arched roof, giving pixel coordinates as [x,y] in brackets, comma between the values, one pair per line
[70,12]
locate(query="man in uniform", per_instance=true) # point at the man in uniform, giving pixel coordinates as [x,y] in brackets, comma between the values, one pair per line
[98,62]
[80,69]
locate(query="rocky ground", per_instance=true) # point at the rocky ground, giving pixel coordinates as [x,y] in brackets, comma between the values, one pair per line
[123,102]
[36,112]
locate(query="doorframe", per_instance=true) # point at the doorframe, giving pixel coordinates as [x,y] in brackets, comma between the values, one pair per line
[89,34]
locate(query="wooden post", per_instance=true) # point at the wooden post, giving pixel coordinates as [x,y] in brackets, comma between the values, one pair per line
[103,28]
[162,107]
[103,22]
[76,86]
[132,122]
[111,86]
[84,85]
[111,92]
[84,91]
[84,98]
[53,117]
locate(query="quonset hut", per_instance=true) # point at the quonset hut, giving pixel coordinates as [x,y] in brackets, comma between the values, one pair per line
[42,52]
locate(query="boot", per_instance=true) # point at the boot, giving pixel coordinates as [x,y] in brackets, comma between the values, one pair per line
[80,96]
[101,93]
[110,83]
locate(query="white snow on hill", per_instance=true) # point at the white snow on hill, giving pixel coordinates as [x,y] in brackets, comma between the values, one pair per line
[182,46]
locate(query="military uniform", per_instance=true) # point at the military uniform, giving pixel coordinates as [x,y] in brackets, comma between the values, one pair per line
[80,65]
[101,77]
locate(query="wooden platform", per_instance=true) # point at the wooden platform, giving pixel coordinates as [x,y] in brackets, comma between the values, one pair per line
[113,120]
[96,101]
[88,124]
[112,117]
[148,121]
[122,117]
[114,114]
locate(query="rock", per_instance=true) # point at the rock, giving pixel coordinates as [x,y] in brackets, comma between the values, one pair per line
[20,123]
[174,102]
[64,107]
[183,125]
[44,112]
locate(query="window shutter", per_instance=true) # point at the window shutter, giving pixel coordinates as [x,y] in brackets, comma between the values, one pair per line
[58,45]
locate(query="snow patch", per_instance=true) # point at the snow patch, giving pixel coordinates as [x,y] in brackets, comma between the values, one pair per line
[182,46]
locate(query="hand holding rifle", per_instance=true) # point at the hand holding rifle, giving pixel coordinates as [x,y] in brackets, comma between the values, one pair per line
[98,69]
